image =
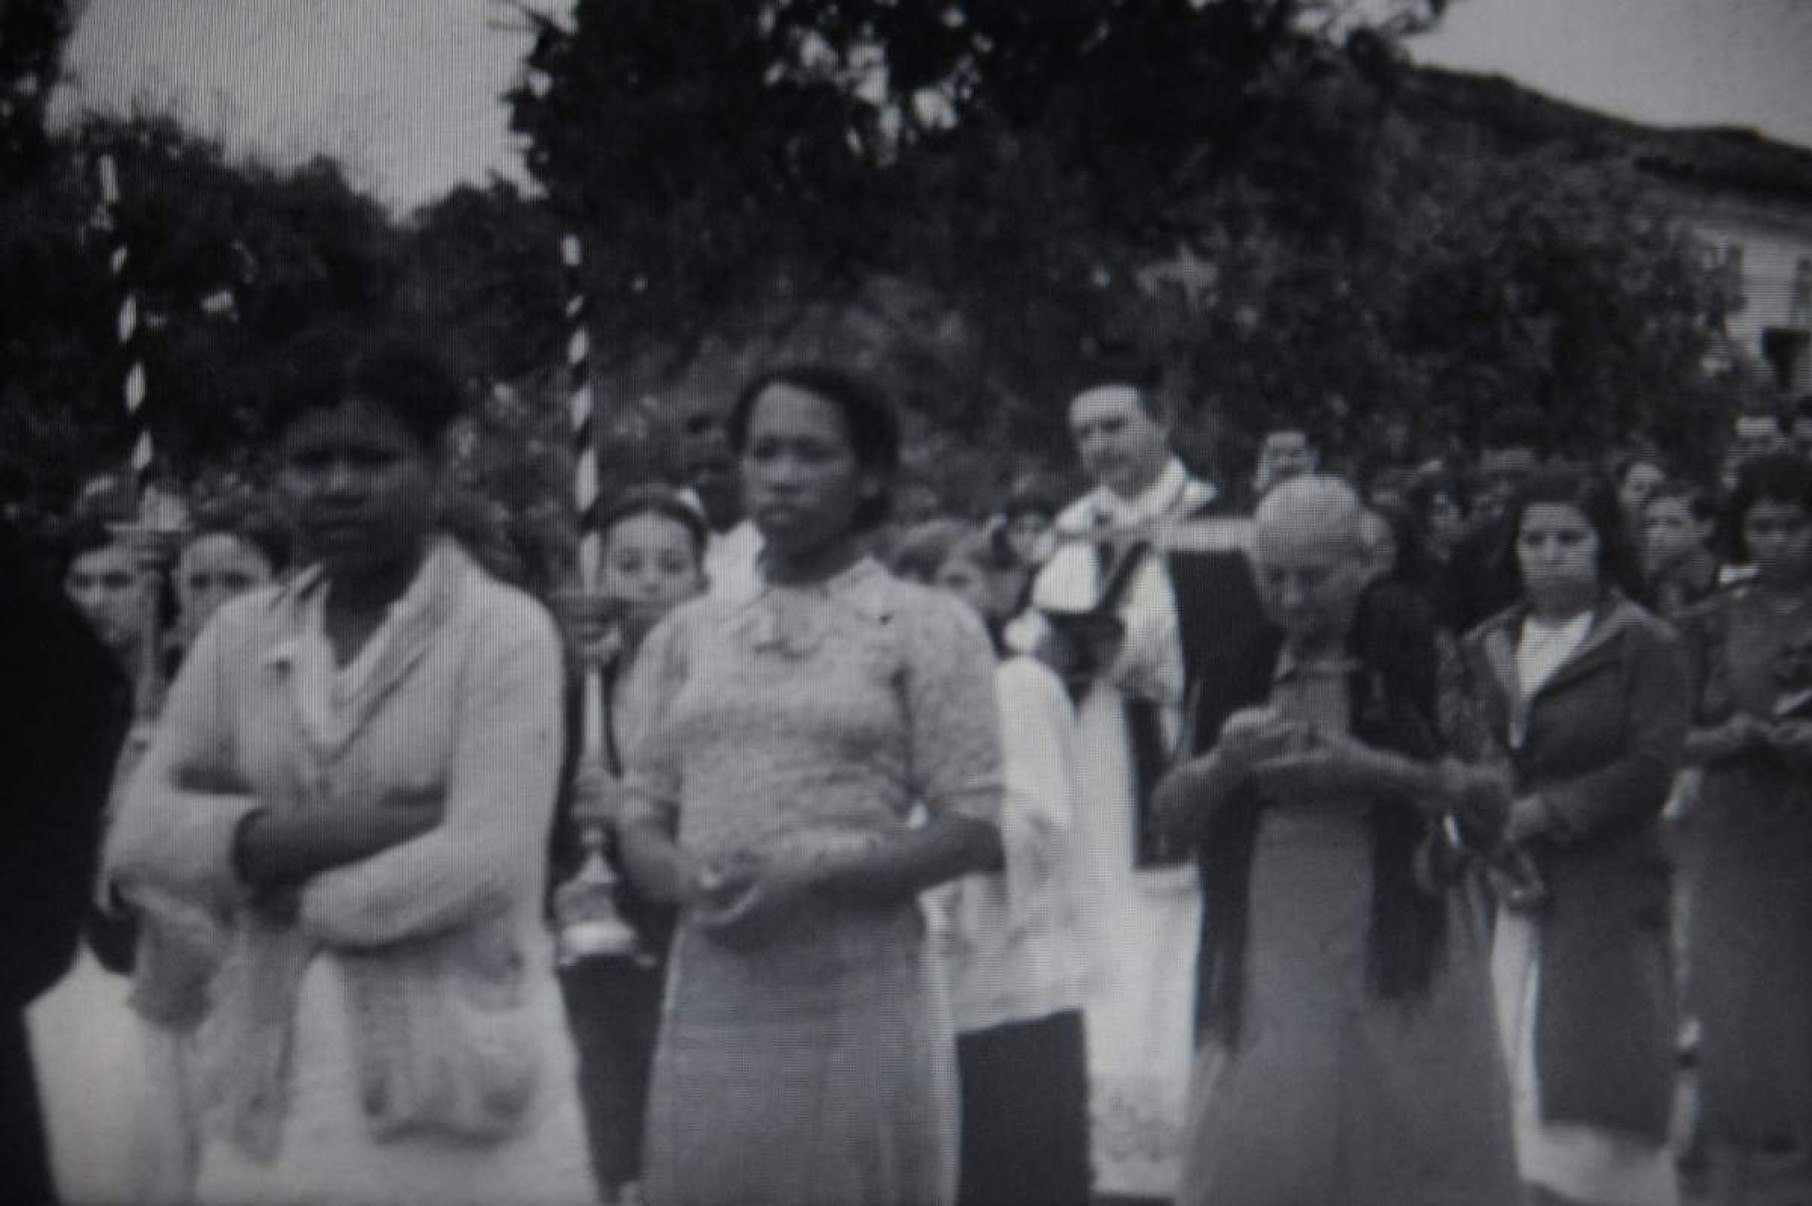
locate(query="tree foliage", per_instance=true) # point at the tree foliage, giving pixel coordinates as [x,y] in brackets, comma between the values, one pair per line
[31,43]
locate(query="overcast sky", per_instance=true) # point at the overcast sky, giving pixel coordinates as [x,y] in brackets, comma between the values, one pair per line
[405,92]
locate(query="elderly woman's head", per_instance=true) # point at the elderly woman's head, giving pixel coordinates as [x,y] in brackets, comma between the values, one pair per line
[361,426]
[1311,557]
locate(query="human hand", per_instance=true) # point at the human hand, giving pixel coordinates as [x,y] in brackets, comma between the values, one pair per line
[1792,739]
[745,898]
[1254,735]
[1530,817]
[1316,764]
[1738,735]
[1479,796]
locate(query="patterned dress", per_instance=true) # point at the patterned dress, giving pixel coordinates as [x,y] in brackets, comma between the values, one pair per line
[1749,871]
[818,1067]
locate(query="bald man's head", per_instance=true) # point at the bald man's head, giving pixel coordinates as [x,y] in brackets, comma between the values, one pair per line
[1310,556]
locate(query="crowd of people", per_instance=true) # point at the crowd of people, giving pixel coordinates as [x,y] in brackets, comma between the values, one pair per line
[1368,839]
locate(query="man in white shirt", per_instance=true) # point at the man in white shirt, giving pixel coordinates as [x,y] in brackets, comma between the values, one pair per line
[1137,897]
[714,488]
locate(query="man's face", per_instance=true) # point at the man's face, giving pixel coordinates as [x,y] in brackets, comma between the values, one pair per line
[1755,435]
[1121,446]
[1500,472]
[1670,532]
[708,466]
[1283,455]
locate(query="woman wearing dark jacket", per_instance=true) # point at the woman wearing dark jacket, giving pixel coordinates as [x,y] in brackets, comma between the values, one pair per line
[1585,695]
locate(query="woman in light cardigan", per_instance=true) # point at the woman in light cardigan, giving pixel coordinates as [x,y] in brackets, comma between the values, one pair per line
[355,771]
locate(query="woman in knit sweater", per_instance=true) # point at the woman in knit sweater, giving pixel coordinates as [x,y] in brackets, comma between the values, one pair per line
[355,771]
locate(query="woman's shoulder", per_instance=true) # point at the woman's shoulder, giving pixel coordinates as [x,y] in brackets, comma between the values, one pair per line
[1642,626]
[930,614]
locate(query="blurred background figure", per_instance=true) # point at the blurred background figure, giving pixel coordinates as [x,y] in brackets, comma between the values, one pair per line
[223,556]
[65,703]
[1755,430]
[1008,940]
[653,548]
[1749,855]
[713,483]
[1283,453]
[1481,579]
[1679,523]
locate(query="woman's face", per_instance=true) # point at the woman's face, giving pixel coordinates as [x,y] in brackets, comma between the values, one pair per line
[1779,536]
[1029,536]
[360,486]
[1557,550]
[1639,482]
[108,589]
[801,478]
[651,565]
[1446,523]
[213,569]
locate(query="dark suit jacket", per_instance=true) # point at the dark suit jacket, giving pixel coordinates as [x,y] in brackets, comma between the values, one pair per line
[1603,737]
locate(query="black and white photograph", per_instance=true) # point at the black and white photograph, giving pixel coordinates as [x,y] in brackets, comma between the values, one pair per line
[906,602]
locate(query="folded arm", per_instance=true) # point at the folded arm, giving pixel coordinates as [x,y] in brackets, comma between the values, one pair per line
[499,797]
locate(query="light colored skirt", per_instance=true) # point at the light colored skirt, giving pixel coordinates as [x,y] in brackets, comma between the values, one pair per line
[328,1154]
[1580,1162]
[92,1083]
[820,1069]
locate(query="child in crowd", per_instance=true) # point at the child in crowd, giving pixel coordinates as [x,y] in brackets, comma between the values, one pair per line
[1008,940]
[1679,521]
[653,560]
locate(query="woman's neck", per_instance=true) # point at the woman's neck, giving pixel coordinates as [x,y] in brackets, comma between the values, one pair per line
[1560,612]
[813,565]
[371,592]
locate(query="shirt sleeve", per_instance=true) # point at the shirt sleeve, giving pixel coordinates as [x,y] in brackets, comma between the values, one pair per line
[488,848]
[953,761]
[181,809]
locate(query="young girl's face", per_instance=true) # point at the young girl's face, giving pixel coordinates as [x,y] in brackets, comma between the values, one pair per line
[969,582]
[650,564]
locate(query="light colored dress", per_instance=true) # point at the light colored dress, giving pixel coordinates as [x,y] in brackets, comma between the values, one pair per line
[818,1067]
[1331,1093]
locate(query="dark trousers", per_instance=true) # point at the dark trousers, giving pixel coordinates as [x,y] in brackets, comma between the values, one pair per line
[614,1009]
[1025,1114]
[24,1160]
